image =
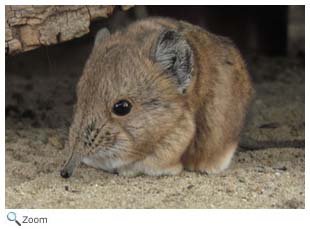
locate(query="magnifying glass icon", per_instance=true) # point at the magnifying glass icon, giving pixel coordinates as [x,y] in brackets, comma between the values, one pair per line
[12,217]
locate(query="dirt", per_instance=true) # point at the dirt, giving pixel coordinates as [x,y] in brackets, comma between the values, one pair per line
[40,94]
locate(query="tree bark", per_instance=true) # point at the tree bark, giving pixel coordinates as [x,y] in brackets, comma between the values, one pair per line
[29,27]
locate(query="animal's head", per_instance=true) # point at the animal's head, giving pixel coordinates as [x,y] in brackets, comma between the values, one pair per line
[129,96]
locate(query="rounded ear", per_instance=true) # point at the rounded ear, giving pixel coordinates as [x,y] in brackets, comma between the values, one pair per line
[101,35]
[175,56]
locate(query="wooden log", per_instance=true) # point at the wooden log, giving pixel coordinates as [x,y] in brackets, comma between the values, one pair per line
[29,27]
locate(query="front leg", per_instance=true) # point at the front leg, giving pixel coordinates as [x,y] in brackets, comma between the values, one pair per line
[98,163]
[131,170]
[166,159]
[150,166]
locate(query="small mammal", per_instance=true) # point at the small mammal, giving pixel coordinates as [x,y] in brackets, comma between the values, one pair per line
[157,97]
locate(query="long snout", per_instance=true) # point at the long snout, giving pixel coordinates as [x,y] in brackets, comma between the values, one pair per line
[71,164]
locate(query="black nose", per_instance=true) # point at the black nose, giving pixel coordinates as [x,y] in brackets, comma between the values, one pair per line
[65,174]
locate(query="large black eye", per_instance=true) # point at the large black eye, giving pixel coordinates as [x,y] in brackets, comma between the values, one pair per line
[122,107]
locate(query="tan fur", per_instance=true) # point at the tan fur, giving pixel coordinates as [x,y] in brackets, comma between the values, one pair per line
[198,130]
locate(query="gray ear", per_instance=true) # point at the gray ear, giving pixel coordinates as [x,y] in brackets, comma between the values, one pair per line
[101,35]
[175,56]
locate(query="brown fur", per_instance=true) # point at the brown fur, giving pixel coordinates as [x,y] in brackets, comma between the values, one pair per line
[165,130]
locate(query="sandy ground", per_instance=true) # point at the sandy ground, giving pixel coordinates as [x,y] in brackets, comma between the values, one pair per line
[39,99]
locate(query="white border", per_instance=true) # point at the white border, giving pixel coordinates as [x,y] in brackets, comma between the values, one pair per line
[157,218]
[307,169]
[163,218]
[156,2]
